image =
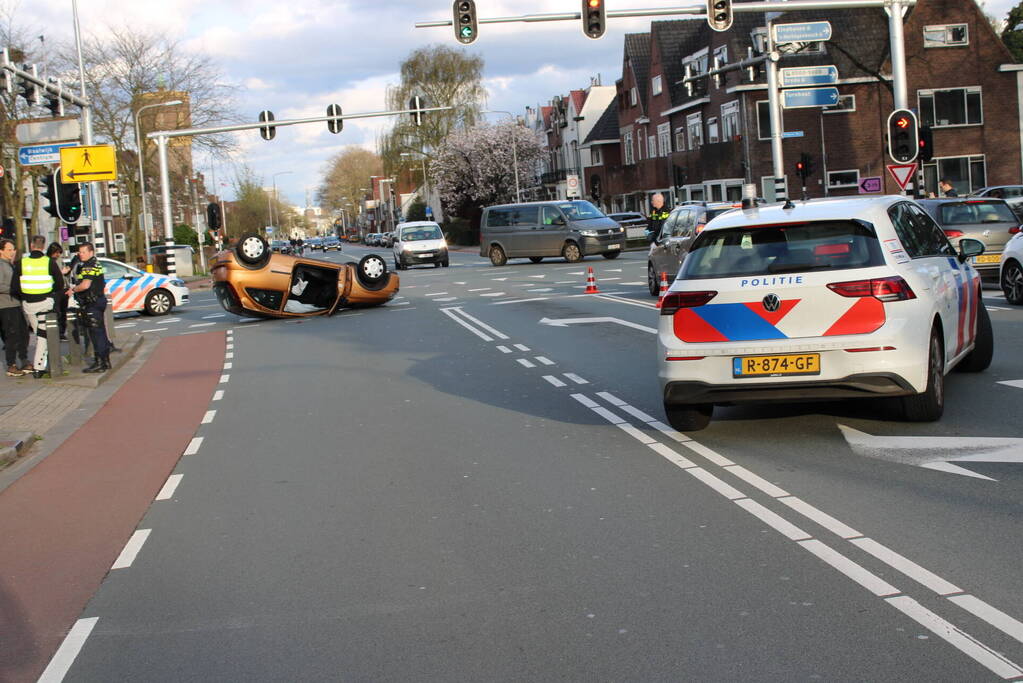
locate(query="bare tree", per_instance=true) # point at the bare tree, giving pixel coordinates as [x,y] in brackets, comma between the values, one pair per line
[346,175]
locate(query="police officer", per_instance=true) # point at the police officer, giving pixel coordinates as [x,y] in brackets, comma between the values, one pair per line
[33,281]
[88,290]
[658,214]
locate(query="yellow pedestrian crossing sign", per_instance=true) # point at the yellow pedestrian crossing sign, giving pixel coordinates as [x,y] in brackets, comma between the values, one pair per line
[87,163]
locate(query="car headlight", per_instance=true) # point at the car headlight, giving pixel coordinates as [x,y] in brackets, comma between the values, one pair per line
[588,233]
[619,229]
[406,247]
[178,283]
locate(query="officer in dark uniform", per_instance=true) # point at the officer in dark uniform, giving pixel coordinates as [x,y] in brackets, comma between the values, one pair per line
[658,214]
[88,290]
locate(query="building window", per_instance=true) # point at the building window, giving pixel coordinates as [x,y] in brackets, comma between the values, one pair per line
[651,146]
[838,179]
[595,159]
[730,120]
[845,104]
[947,35]
[633,99]
[712,130]
[629,158]
[966,174]
[764,120]
[655,85]
[664,139]
[680,139]
[721,54]
[956,107]
[694,123]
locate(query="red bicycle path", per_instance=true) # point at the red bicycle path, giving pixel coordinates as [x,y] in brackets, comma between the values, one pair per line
[66,521]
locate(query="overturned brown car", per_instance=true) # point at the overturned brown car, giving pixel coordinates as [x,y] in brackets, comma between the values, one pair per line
[250,280]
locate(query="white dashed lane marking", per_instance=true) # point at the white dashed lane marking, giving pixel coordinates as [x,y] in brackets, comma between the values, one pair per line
[131,549]
[193,446]
[167,492]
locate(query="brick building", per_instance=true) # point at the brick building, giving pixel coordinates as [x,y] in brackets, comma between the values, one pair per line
[704,144]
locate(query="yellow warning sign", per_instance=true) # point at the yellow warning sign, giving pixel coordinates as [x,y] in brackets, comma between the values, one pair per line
[88,163]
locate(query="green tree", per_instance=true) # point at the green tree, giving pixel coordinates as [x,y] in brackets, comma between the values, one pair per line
[1012,35]
[416,210]
[250,211]
[185,234]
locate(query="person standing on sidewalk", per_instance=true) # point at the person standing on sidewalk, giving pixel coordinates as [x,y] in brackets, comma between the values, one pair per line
[56,252]
[34,278]
[88,290]
[12,319]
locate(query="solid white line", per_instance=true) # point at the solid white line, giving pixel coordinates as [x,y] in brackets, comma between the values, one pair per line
[521,347]
[131,549]
[201,325]
[448,313]
[638,414]
[554,380]
[669,432]
[953,636]
[997,618]
[708,453]
[525,363]
[672,455]
[873,583]
[218,394]
[585,400]
[825,520]
[488,328]
[611,398]
[624,300]
[773,520]
[193,446]
[906,566]
[636,434]
[721,487]
[208,417]
[167,492]
[545,361]
[504,349]
[608,415]
[575,378]
[224,379]
[517,301]
[756,481]
[68,651]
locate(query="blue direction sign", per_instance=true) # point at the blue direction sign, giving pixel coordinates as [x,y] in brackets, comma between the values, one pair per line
[809,97]
[801,77]
[810,32]
[792,134]
[42,154]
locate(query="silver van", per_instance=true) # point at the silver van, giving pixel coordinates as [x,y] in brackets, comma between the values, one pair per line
[572,229]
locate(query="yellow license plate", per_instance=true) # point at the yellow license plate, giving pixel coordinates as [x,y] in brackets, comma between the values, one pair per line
[776,366]
[987,258]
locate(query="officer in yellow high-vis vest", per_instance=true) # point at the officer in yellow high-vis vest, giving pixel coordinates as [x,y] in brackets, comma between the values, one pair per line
[35,279]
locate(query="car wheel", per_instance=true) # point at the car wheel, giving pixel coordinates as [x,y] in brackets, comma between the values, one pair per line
[446,263]
[397,265]
[979,359]
[689,418]
[611,254]
[929,405]
[497,256]
[536,259]
[436,264]
[253,250]
[571,252]
[651,280]
[1012,282]
[372,270]
[159,302]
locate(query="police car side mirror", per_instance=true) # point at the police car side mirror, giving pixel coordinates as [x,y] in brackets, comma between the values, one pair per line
[969,248]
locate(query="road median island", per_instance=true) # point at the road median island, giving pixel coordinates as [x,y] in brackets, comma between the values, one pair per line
[68,517]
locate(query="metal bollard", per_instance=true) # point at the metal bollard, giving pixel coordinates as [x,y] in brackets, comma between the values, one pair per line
[53,350]
[76,347]
[108,319]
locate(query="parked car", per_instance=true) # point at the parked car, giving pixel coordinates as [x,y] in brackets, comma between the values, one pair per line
[387,239]
[130,289]
[670,246]
[572,229]
[836,299]
[419,242]
[251,280]
[371,239]
[1011,269]
[331,243]
[989,220]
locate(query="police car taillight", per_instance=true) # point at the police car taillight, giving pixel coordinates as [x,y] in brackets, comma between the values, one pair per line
[673,301]
[883,289]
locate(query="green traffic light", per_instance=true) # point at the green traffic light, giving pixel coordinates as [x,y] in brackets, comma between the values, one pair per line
[466,31]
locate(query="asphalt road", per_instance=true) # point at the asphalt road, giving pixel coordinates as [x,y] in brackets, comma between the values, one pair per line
[463,486]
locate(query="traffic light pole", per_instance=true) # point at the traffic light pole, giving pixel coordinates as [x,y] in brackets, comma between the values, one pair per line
[774,109]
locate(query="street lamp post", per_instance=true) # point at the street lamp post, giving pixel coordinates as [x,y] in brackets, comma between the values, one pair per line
[515,154]
[269,200]
[142,174]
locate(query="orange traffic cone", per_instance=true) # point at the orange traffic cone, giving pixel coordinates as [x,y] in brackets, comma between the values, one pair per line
[664,289]
[591,283]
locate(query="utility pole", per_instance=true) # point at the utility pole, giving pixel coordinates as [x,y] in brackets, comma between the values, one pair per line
[774,107]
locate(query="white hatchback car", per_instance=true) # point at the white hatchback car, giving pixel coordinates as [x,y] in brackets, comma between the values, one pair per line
[1011,269]
[418,242]
[828,299]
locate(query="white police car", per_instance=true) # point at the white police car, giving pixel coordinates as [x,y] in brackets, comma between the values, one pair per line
[1011,269]
[826,299]
[131,289]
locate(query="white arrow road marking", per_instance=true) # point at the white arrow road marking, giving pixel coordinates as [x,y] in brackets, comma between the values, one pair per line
[1018,383]
[565,322]
[936,452]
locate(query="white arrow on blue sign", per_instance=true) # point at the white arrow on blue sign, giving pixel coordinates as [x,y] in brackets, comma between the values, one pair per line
[809,97]
[801,77]
[37,155]
[810,32]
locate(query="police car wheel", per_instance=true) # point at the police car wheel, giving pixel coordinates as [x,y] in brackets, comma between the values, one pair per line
[253,250]
[159,302]
[928,405]
[571,252]
[689,418]
[979,359]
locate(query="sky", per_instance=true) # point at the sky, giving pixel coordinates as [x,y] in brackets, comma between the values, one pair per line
[296,57]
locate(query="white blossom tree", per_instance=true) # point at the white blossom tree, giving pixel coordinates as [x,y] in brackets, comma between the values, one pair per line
[476,167]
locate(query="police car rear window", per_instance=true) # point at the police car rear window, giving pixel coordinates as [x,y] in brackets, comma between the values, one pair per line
[789,248]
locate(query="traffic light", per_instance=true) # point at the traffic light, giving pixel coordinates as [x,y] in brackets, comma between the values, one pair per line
[28,89]
[465,21]
[805,166]
[49,193]
[926,143]
[65,199]
[416,104]
[213,220]
[719,14]
[267,132]
[594,18]
[54,102]
[334,126]
[903,139]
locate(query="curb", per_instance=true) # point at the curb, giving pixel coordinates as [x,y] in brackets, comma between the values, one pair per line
[12,445]
[118,358]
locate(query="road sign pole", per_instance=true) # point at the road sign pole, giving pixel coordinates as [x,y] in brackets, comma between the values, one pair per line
[895,11]
[165,198]
[774,107]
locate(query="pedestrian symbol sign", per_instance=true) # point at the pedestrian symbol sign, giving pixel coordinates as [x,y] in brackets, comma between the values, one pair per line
[87,163]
